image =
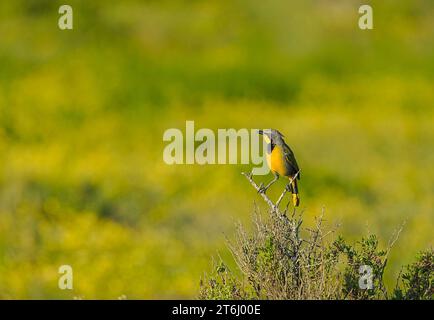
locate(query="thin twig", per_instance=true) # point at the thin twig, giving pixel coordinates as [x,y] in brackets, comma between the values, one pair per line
[286,189]
[263,195]
[281,197]
[274,206]
[395,237]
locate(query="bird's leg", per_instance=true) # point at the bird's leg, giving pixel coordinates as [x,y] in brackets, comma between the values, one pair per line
[263,189]
[289,187]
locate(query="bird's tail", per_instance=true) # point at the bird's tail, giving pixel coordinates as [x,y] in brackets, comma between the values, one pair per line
[295,196]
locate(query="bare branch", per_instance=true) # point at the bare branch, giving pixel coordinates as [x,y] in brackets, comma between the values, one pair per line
[291,180]
[281,197]
[270,203]
[273,206]
[395,237]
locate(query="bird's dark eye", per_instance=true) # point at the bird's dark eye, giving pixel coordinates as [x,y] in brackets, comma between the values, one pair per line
[272,145]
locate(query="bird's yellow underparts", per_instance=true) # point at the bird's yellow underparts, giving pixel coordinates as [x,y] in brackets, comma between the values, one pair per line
[281,161]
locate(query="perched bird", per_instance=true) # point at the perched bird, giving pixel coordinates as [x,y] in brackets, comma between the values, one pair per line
[281,161]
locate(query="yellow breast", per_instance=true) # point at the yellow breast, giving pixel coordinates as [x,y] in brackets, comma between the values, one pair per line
[276,161]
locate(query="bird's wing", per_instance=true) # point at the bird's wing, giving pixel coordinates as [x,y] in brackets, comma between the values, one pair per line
[290,159]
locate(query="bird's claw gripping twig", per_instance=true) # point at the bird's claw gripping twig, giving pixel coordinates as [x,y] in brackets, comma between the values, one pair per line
[263,195]
[262,188]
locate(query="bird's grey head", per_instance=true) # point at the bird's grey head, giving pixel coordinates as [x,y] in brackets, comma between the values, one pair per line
[271,135]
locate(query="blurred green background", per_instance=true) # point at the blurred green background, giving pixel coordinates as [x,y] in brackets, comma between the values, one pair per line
[82,115]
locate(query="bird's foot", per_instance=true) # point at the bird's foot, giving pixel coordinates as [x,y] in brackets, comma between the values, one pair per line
[262,189]
[288,187]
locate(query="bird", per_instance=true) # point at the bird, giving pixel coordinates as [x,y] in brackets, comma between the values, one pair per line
[281,161]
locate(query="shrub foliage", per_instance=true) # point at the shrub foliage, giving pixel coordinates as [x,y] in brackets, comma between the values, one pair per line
[280,259]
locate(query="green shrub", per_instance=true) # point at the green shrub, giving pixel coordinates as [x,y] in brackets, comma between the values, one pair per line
[418,279]
[281,260]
